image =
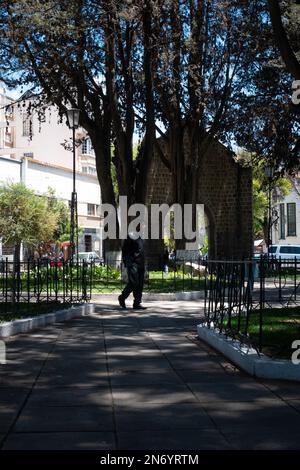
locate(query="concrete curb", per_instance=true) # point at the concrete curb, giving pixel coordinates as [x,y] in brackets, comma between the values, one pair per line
[152,296]
[27,324]
[247,358]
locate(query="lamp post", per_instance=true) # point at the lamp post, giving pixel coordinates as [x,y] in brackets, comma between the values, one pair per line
[269,173]
[73,122]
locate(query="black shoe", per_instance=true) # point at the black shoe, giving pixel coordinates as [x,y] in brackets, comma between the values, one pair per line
[139,307]
[121,302]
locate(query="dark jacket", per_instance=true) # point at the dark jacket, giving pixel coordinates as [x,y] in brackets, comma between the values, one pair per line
[133,252]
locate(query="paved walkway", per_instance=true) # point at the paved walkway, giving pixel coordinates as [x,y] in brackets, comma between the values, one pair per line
[137,380]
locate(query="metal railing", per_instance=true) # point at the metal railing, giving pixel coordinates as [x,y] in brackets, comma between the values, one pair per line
[56,281]
[160,276]
[237,292]
[40,281]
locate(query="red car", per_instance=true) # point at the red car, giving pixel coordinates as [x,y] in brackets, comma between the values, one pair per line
[56,262]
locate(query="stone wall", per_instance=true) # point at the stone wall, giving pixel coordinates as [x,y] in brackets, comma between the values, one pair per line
[225,189]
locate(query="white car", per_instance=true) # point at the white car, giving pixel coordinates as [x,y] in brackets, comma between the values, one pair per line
[286,252]
[90,256]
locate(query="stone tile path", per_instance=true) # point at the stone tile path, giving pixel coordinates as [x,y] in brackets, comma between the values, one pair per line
[133,380]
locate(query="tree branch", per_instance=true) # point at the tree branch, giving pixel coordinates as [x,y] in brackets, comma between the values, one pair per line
[287,53]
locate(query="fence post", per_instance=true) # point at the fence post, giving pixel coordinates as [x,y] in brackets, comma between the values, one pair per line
[6,280]
[83,279]
[205,289]
[241,284]
[279,276]
[261,283]
[295,280]
[28,280]
[38,281]
[262,302]
[91,278]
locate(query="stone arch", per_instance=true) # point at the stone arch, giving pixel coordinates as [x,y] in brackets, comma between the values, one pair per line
[225,189]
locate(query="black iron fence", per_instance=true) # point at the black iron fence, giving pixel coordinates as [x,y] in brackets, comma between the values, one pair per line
[238,295]
[40,281]
[246,298]
[173,275]
[45,281]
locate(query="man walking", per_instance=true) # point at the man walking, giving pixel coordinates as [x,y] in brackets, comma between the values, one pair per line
[134,260]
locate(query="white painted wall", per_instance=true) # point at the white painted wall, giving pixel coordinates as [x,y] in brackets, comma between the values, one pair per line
[10,171]
[51,165]
[40,177]
[292,197]
[46,140]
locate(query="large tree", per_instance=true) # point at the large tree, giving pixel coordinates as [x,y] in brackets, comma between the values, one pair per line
[87,54]
[190,71]
[25,218]
[285,18]
[287,37]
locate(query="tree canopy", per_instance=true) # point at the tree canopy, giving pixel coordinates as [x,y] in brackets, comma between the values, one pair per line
[25,217]
[189,71]
[286,26]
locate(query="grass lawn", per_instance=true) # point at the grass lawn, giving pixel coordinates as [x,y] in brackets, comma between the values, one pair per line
[9,311]
[157,282]
[281,326]
[105,281]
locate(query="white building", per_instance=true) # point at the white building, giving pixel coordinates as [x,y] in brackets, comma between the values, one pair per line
[32,152]
[6,124]
[287,228]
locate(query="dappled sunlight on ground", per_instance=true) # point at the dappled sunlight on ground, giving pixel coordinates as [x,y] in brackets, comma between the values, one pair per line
[126,379]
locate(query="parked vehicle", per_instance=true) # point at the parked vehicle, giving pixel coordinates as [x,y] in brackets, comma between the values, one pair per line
[58,261]
[285,252]
[90,256]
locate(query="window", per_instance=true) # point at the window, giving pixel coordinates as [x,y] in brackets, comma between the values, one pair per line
[9,113]
[89,170]
[86,147]
[27,126]
[282,221]
[291,250]
[88,242]
[291,219]
[8,137]
[7,249]
[93,209]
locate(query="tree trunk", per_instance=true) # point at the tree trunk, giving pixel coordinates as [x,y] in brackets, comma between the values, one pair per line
[103,165]
[283,44]
[148,143]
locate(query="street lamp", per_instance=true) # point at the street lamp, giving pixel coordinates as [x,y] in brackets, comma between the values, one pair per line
[269,173]
[73,122]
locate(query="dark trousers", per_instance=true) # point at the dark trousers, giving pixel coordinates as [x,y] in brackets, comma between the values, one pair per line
[135,282]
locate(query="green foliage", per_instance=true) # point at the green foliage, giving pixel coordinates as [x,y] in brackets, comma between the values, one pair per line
[58,207]
[204,249]
[260,208]
[280,328]
[10,311]
[281,186]
[105,272]
[25,217]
